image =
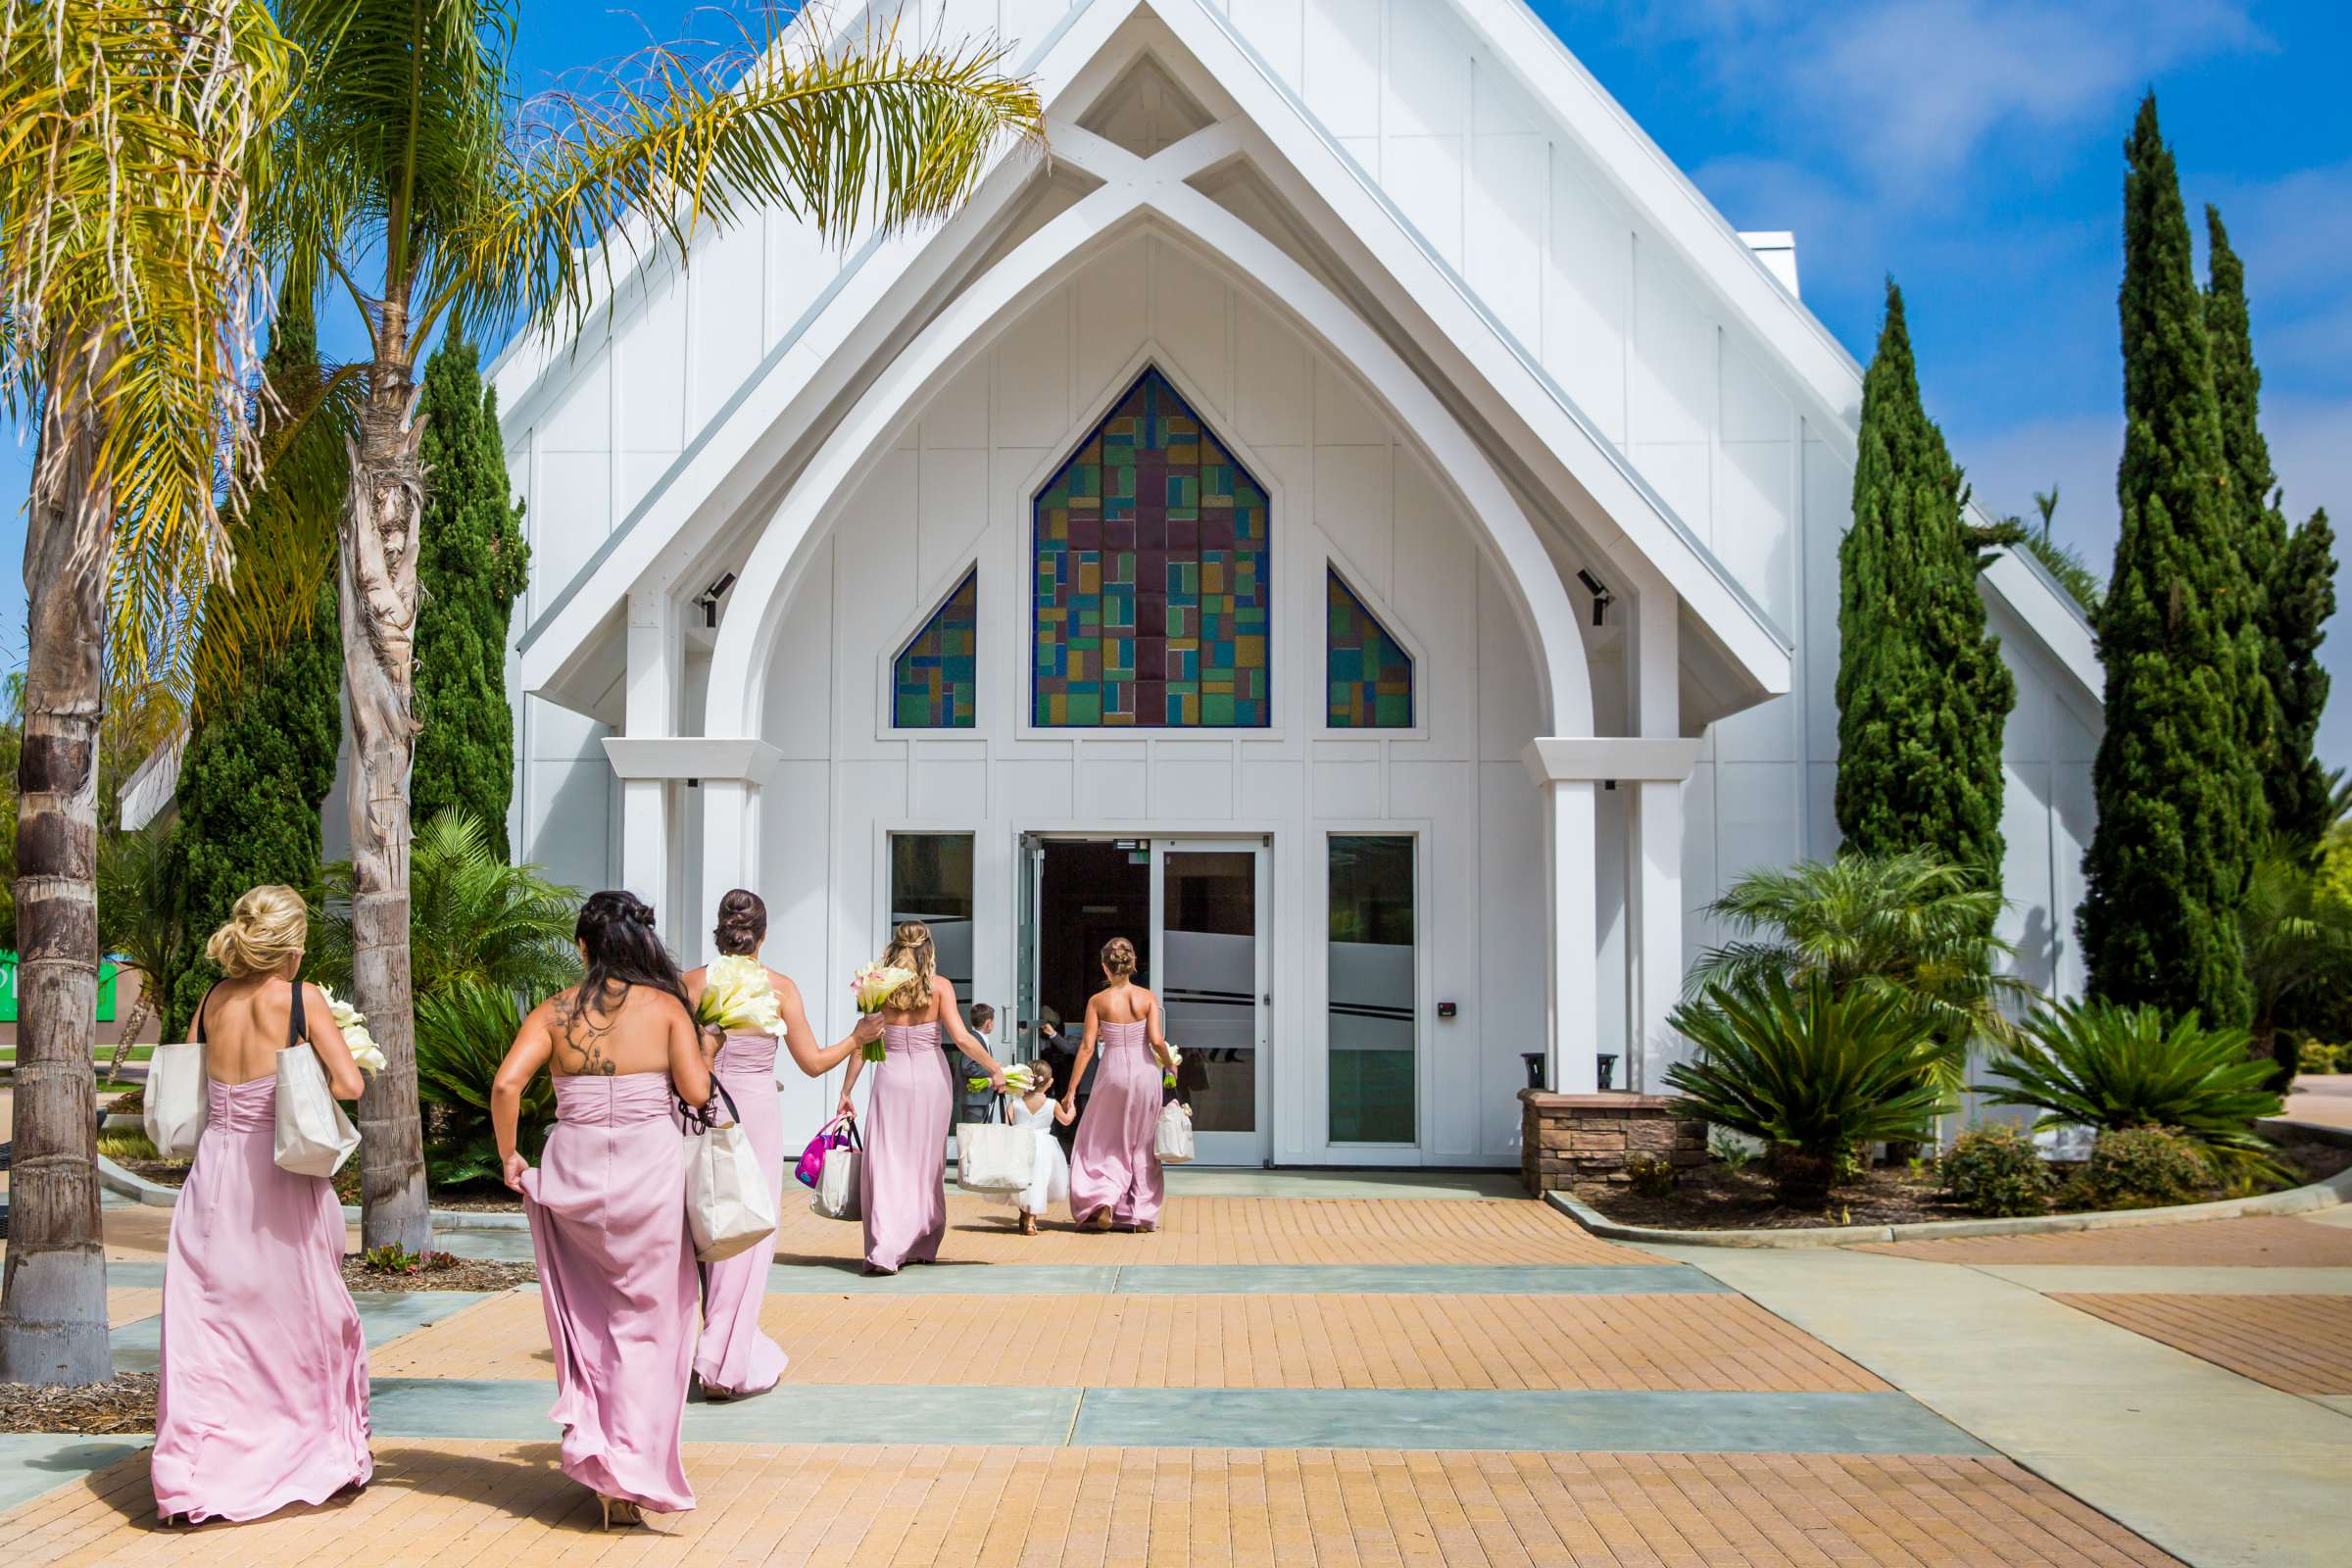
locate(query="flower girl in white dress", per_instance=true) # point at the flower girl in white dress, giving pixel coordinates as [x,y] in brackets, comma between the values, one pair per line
[1038,1111]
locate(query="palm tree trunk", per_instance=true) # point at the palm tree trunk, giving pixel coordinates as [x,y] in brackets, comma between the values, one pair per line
[381,516]
[53,1307]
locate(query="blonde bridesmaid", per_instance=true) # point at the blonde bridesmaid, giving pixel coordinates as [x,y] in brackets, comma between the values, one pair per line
[735,1358]
[1115,1174]
[262,1376]
[607,1206]
[901,1181]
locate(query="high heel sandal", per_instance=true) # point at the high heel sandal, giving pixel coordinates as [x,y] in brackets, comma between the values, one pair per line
[1028,1224]
[619,1511]
[1099,1220]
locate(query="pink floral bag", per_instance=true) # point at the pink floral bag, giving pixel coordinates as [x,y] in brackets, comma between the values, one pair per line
[839,1133]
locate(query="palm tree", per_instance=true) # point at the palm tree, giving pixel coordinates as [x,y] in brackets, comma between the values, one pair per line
[2295,941]
[413,189]
[128,288]
[142,922]
[1908,926]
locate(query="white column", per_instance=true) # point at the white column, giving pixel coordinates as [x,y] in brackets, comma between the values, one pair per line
[1571,957]
[650,708]
[1654,848]
[731,834]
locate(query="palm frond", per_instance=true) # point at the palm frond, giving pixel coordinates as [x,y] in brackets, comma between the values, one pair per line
[2096,1064]
[851,136]
[134,135]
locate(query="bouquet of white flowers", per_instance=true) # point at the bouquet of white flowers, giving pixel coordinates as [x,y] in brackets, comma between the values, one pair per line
[873,986]
[353,1026]
[1018,1080]
[737,996]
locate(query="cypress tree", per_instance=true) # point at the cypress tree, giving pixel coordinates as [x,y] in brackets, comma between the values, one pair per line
[2293,575]
[262,760]
[2179,795]
[1922,692]
[474,564]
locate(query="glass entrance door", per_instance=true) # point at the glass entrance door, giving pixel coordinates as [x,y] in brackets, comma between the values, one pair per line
[1209,910]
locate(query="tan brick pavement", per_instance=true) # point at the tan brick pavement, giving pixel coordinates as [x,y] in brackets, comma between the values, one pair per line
[2261,1242]
[1244,1230]
[451,1505]
[1696,1342]
[2297,1343]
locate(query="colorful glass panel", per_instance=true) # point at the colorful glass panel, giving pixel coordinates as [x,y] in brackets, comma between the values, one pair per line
[932,681]
[1368,675]
[1152,585]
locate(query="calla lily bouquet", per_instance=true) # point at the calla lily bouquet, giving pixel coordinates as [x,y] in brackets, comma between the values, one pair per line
[739,998]
[873,986]
[1167,1077]
[1018,1080]
[353,1026]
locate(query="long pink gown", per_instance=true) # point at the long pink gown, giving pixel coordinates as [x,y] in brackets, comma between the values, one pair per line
[1115,1161]
[262,1376]
[902,1182]
[607,1203]
[735,1358]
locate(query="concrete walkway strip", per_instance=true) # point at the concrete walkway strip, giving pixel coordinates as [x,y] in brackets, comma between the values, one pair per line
[32,1462]
[2209,1465]
[384,1316]
[2103,1279]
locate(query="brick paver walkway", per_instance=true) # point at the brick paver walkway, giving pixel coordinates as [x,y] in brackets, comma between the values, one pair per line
[2262,1242]
[2298,1343]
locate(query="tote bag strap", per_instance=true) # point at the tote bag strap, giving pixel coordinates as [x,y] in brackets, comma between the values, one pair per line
[203,1003]
[297,1027]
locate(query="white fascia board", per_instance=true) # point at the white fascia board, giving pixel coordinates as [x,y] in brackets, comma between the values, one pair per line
[1742,281]
[690,757]
[1644,759]
[2052,615]
[792,386]
[1465,333]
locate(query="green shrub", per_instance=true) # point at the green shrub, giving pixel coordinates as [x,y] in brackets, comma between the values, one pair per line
[126,1146]
[463,1032]
[2319,1057]
[1996,1172]
[2140,1167]
[1651,1176]
[2094,1065]
[1811,1074]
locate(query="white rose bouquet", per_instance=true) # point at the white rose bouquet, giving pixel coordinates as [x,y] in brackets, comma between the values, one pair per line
[738,997]
[873,986]
[352,1024]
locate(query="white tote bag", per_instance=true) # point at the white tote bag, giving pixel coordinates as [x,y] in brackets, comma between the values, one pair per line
[994,1156]
[314,1135]
[174,1098]
[730,1207]
[836,1196]
[1172,1139]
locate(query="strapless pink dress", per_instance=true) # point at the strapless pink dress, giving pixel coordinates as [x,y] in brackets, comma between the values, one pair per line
[902,1182]
[607,1203]
[1114,1160]
[261,1374]
[735,1358]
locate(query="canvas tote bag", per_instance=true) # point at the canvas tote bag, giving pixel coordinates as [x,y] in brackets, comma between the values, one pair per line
[996,1156]
[729,1207]
[314,1135]
[174,1103]
[1172,1138]
[836,1195]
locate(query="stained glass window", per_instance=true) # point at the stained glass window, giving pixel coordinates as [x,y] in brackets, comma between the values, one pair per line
[1153,576]
[931,681]
[1369,674]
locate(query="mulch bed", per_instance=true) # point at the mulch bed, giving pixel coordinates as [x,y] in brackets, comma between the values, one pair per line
[443,1272]
[161,1172]
[1715,1196]
[124,1406]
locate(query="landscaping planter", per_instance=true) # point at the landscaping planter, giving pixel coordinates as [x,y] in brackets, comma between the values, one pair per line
[1566,1138]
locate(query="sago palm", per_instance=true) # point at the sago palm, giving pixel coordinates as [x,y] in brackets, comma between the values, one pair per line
[2295,941]
[1909,927]
[414,187]
[129,281]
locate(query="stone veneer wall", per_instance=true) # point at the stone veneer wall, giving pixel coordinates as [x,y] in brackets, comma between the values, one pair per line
[1566,1138]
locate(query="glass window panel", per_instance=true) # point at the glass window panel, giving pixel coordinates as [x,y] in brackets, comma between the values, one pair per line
[933,679]
[931,881]
[1372,1019]
[1368,677]
[1208,910]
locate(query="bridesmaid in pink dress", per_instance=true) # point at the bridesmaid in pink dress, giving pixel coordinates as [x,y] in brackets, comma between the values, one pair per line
[1115,1163]
[735,1358]
[261,1378]
[902,1182]
[607,1206]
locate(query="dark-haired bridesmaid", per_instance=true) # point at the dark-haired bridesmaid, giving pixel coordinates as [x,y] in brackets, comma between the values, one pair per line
[607,1206]
[735,1356]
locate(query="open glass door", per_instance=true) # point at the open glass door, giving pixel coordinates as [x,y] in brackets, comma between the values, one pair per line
[1208,964]
[1029,874]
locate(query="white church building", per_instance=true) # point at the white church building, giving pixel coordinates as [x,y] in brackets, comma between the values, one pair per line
[1351,519]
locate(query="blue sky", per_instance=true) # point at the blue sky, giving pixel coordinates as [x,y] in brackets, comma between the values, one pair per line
[1971,148]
